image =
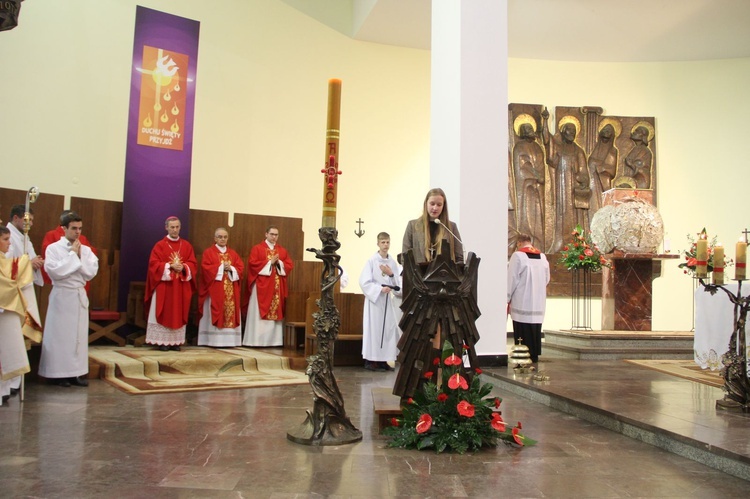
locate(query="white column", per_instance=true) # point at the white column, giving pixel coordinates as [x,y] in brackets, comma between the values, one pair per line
[469,143]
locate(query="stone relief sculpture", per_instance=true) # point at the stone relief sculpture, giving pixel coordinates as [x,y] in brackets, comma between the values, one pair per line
[604,157]
[529,168]
[581,160]
[638,162]
[570,175]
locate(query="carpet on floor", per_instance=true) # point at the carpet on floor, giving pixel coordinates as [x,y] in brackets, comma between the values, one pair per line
[141,370]
[686,369]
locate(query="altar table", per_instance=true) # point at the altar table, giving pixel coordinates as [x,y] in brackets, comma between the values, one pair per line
[714,322]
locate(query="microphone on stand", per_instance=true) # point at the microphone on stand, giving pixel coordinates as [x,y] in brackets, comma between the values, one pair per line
[437,221]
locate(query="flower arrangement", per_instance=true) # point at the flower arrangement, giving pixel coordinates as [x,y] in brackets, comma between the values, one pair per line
[582,253]
[690,254]
[456,416]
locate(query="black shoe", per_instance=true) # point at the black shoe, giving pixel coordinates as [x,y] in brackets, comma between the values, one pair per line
[60,382]
[373,366]
[176,348]
[6,398]
[79,381]
[386,366]
[163,348]
[14,391]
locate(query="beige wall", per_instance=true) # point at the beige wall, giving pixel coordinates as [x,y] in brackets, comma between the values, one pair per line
[260,122]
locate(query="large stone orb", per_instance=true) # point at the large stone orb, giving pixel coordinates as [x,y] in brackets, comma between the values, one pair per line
[631,226]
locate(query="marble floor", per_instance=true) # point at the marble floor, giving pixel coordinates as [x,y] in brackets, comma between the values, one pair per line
[100,442]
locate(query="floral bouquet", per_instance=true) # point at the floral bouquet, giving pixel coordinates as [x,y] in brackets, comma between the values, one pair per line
[456,416]
[690,254]
[582,253]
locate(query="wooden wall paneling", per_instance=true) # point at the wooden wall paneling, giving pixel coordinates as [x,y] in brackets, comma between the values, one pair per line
[100,288]
[102,225]
[46,210]
[203,224]
[102,221]
[251,230]
[305,276]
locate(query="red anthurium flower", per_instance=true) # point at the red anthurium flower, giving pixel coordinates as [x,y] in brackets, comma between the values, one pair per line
[410,400]
[394,422]
[442,397]
[453,360]
[465,409]
[497,422]
[581,257]
[478,370]
[575,245]
[565,248]
[436,361]
[516,436]
[457,381]
[466,347]
[428,374]
[424,423]
[519,426]
[588,252]
[692,262]
[497,402]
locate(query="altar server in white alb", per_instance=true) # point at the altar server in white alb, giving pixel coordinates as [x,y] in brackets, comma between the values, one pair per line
[528,276]
[65,349]
[380,281]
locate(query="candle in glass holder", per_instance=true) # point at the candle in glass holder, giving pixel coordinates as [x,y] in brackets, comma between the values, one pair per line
[701,255]
[718,275]
[740,259]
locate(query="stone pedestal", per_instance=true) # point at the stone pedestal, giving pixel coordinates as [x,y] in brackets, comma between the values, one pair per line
[626,290]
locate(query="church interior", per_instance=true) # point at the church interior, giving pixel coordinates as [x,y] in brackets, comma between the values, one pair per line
[418,78]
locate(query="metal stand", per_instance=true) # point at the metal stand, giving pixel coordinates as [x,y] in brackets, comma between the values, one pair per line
[327,423]
[736,382]
[581,299]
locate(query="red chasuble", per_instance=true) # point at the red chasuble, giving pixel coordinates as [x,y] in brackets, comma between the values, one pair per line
[225,294]
[272,290]
[172,297]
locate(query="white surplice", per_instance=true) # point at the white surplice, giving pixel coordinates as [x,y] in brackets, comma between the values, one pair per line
[65,347]
[380,318]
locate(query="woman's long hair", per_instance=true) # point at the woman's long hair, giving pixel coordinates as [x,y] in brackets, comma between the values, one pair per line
[445,221]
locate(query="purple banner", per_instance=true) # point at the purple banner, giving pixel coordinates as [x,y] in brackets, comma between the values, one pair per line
[160,137]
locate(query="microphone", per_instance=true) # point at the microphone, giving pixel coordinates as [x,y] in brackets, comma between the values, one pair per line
[437,221]
[394,288]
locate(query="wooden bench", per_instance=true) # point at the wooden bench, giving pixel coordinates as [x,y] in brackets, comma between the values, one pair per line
[344,354]
[294,333]
[387,406]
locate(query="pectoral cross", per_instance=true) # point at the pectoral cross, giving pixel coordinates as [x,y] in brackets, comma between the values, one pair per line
[746,232]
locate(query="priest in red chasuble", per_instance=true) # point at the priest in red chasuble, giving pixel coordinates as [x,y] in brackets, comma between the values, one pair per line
[219,294]
[267,270]
[169,287]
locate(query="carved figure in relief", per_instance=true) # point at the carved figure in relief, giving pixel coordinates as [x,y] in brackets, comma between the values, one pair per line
[603,159]
[570,176]
[529,171]
[639,160]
